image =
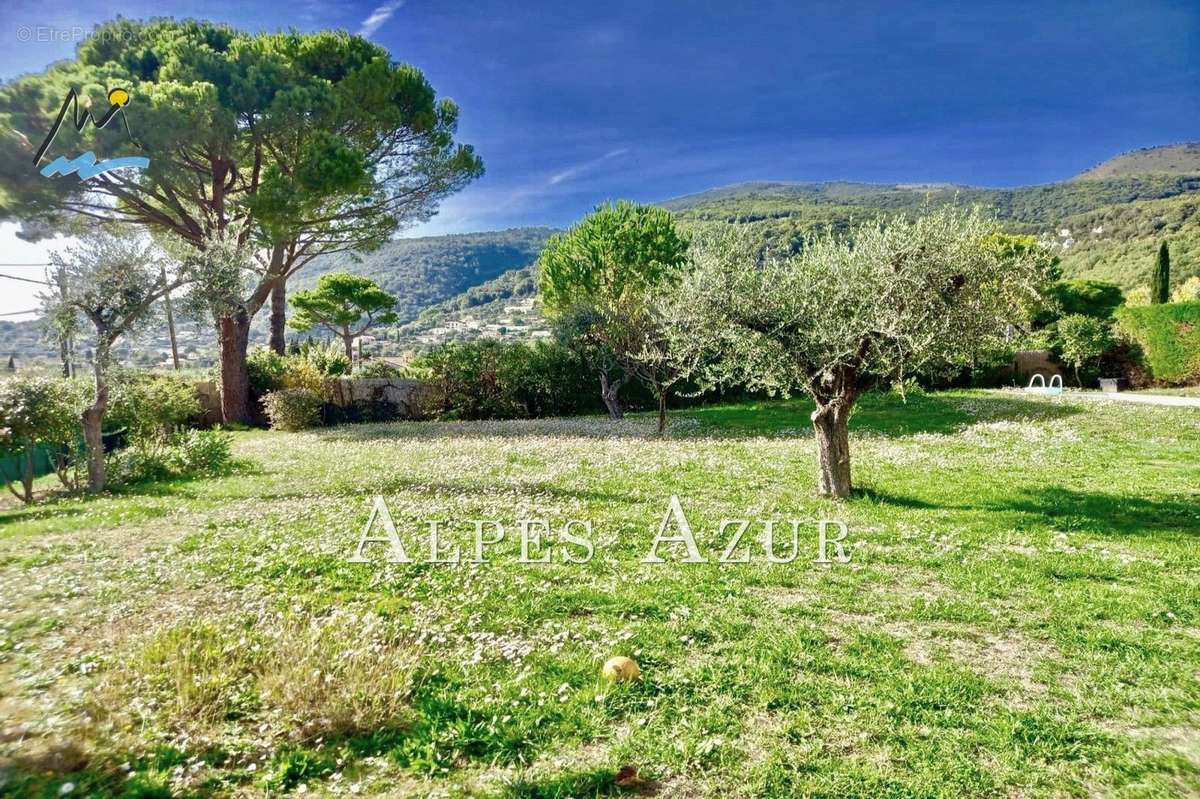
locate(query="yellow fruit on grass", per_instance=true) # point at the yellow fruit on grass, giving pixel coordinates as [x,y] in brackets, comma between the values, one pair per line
[621,669]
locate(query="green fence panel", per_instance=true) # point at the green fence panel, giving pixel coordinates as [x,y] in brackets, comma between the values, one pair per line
[13,467]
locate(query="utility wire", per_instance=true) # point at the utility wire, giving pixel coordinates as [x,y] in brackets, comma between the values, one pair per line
[27,280]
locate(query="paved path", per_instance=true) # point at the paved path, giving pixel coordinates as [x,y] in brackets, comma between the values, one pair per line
[1146,399]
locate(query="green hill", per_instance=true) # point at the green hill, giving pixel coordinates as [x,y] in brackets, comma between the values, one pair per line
[426,271]
[1169,159]
[1118,242]
[1113,224]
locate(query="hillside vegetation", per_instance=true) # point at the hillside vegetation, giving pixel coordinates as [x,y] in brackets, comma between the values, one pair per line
[425,271]
[1112,226]
[1170,159]
[1118,242]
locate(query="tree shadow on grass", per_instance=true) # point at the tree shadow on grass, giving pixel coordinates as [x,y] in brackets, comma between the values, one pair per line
[1066,509]
[876,415]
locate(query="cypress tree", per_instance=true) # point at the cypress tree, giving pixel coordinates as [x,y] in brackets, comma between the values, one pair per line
[1160,285]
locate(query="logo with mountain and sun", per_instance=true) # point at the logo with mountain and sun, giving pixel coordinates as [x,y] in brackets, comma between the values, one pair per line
[86,165]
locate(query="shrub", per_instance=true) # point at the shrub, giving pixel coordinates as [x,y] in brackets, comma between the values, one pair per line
[328,359]
[1188,291]
[39,412]
[201,453]
[189,453]
[306,366]
[499,380]
[151,407]
[302,375]
[292,408]
[548,379]
[1169,337]
[1137,297]
[266,371]
[376,369]
[1082,340]
[466,378]
[1096,298]
[132,466]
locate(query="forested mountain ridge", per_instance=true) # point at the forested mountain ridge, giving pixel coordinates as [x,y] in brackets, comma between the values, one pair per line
[1112,225]
[425,271]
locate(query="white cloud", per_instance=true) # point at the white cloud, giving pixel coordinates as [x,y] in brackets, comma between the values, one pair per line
[574,171]
[380,15]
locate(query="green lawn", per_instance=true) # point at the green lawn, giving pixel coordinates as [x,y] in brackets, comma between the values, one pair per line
[1020,616]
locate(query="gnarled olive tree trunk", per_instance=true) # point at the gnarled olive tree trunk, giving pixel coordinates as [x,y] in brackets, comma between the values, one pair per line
[831,424]
[92,421]
[610,395]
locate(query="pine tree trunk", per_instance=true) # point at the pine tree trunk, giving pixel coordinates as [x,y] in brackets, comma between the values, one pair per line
[234,333]
[609,393]
[831,423]
[348,342]
[278,341]
[93,427]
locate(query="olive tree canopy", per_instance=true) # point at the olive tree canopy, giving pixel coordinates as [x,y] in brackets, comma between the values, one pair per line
[843,315]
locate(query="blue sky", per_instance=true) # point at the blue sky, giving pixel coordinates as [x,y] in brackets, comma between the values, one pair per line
[574,103]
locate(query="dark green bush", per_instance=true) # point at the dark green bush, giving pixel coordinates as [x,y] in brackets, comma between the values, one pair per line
[500,380]
[376,410]
[201,453]
[151,407]
[1169,338]
[293,409]
[1096,298]
[266,371]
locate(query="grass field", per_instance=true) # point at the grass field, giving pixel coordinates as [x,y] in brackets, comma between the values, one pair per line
[1020,616]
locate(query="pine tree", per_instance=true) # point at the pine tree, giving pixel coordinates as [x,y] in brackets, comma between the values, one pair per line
[1160,285]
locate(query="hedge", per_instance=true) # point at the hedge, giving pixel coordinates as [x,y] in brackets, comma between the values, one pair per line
[1169,336]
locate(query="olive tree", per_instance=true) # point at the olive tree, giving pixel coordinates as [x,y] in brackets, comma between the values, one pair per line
[113,282]
[844,314]
[599,283]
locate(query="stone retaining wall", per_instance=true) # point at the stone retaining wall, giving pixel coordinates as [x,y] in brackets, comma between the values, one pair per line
[409,396]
